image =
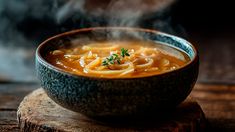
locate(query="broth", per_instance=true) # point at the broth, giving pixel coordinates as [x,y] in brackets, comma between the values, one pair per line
[118,59]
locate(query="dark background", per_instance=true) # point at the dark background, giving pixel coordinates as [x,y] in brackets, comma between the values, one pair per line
[209,25]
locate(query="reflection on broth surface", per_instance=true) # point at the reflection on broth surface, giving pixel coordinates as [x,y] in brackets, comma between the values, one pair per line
[118,59]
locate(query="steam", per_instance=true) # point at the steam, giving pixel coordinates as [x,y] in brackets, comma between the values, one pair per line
[15,63]
[70,8]
[119,15]
[16,48]
[116,12]
[26,23]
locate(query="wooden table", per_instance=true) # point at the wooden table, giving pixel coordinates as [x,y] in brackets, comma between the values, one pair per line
[214,91]
[217,102]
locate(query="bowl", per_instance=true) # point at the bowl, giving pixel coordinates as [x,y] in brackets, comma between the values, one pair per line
[116,97]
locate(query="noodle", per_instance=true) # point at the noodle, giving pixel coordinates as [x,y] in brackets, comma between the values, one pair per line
[73,56]
[93,47]
[146,65]
[111,72]
[63,64]
[93,63]
[82,61]
[117,59]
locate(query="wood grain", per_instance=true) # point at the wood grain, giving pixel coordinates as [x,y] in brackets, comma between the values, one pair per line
[10,97]
[12,94]
[38,112]
[218,104]
[220,113]
[9,128]
[8,118]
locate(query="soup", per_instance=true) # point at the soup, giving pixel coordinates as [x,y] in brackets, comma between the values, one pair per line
[118,59]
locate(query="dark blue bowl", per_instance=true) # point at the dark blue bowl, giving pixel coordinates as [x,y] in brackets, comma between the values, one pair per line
[105,97]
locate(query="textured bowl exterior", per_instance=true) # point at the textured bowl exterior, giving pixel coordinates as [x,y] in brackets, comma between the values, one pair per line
[100,97]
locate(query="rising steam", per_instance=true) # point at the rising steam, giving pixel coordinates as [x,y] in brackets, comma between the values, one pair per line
[25,23]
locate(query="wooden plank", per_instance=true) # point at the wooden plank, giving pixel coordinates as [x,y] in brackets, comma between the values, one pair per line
[219,111]
[218,104]
[37,112]
[9,128]
[214,96]
[8,118]
[10,98]
[217,101]
[214,88]
[8,121]
[12,94]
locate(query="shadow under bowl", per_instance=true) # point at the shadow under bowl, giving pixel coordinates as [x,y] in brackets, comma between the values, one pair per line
[116,97]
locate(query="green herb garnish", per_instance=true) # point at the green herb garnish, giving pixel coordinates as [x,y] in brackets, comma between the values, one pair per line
[105,63]
[115,58]
[124,52]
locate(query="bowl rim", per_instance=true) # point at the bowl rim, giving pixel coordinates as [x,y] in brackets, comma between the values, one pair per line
[41,60]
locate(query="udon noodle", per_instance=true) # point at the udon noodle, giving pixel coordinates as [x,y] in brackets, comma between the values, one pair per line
[118,59]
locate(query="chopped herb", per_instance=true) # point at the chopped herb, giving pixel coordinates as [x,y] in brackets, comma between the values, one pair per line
[115,55]
[119,61]
[115,58]
[110,59]
[105,63]
[124,52]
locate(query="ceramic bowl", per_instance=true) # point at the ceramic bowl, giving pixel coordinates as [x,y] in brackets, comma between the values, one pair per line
[109,97]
